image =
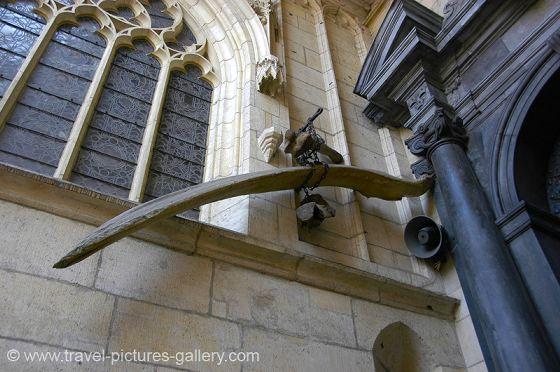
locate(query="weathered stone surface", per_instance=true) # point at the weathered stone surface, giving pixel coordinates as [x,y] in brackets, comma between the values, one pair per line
[31,241]
[462,309]
[147,327]
[278,304]
[439,335]
[46,311]
[141,270]
[286,353]
[344,281]
[468,341]
[330,301]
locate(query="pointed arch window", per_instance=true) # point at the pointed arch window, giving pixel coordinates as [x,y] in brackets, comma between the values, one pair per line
[114,99]
[178,158]
[107,159]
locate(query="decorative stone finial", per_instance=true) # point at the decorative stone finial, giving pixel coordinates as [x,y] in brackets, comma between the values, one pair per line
[269,141]
[269,76]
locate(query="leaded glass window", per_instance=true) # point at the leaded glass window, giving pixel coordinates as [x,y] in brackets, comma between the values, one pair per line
[178,158]
[84,103]
[35,134]
[111,147]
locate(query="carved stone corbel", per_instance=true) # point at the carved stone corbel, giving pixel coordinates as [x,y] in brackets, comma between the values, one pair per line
[269,141]
[269,76]
[438,130]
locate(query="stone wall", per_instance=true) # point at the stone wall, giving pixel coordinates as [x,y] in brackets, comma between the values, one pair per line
[136,295]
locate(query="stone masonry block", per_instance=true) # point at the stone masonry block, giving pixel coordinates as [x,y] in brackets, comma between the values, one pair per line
[147,327]
[52,312]
[286,353]
[32,241]
[144,271]
[278,304]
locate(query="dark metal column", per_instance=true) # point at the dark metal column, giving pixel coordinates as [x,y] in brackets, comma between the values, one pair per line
[500,304]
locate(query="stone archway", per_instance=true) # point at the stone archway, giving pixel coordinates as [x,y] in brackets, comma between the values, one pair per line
[520,194]
[534,150]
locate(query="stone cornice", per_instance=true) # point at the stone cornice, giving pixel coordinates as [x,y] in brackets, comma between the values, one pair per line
[372,283]
[406,40]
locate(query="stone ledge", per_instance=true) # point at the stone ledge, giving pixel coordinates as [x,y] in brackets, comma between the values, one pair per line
[192,237]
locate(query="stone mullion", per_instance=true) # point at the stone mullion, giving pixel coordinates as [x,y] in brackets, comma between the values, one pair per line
[87,110]
[150,134]
[18,84]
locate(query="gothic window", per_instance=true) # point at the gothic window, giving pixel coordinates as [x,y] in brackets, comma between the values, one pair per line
[35,133]
[19,28]
[160,19]
[178,158]
[112,143]
[125,13]
[107,102]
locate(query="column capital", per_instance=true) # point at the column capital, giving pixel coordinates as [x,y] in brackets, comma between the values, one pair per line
[440,129]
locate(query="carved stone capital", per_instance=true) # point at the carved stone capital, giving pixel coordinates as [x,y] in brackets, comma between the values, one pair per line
[438,130]
[269,76]
[262,8]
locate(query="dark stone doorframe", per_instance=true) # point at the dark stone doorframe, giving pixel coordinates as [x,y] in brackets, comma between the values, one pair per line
[505,197]
[532,233]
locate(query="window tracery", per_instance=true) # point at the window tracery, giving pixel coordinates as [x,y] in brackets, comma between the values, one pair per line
[112,95]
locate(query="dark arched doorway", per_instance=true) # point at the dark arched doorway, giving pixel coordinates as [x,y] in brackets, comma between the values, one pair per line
[525,185]
[536,153]
[537,164]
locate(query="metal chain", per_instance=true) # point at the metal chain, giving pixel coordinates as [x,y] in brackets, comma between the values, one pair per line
[311,156]
[304,186]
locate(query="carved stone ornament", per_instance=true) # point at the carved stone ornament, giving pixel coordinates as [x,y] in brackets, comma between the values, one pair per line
[452,7]
[262,8]
[314,209]
[436,131]
[269,76]
[269,141]
[419,100]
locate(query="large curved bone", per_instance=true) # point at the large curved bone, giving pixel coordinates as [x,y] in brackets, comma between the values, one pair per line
[368,182]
